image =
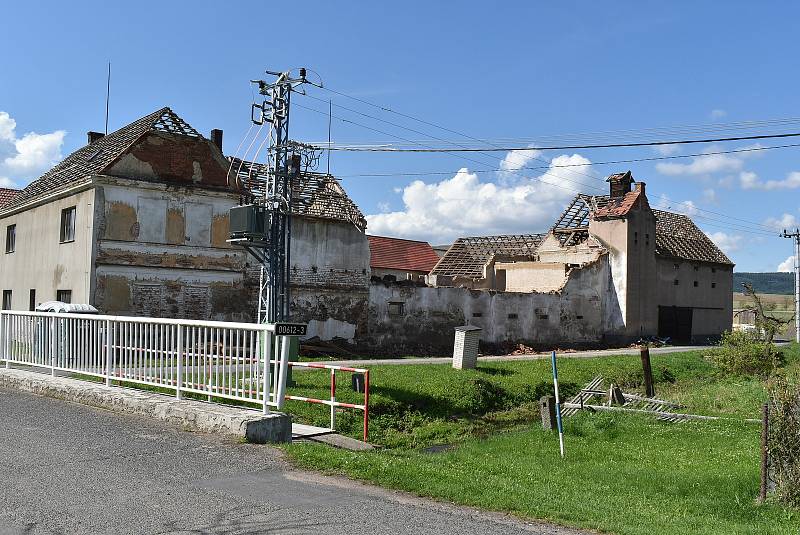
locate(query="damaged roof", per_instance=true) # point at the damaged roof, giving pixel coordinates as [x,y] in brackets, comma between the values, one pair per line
[400,254]
[7,195]
[94,158]
[316,195]
[467,256]
[676,235]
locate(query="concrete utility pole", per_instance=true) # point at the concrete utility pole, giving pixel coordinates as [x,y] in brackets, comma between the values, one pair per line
[796,236]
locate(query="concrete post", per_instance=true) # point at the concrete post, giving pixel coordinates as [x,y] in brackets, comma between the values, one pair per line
[547,408]
[465,348]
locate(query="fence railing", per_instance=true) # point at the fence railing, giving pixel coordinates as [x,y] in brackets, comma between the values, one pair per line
[237,361]
[332,403]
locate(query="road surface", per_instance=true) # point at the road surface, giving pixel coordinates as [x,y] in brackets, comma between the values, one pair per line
[68,468]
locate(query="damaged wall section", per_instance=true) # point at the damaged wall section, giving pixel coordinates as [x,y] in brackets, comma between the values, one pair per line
[422,319]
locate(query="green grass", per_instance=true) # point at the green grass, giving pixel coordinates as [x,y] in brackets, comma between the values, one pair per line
[623,473]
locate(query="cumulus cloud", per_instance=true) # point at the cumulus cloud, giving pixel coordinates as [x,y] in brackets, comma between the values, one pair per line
[464,205]
[727,242]
[517,159]
[750,180]
[702,165]
[787,265]
[783,222]
[23,158]
[384,207]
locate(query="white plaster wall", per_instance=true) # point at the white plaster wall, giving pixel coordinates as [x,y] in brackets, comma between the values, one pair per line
[40,261]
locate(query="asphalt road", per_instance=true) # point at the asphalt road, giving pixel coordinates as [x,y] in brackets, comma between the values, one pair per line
[68,468]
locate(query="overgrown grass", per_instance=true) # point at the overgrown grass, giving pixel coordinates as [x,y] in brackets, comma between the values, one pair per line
[625,474]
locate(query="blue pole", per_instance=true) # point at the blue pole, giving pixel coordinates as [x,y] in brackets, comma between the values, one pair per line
[558,405]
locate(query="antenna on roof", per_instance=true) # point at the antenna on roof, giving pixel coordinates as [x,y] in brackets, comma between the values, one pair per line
[108,93]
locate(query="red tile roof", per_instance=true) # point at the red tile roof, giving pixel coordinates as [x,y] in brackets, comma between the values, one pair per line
[620,206]
[404,255]
[6,195]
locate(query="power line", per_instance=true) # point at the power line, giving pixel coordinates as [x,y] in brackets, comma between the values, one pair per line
[567,147]
[758,226]
[608,162]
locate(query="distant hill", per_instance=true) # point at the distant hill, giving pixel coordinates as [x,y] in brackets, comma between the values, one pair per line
[767,283]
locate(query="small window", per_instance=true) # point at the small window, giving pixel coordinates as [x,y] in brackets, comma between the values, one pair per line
[713,270]
[696,284]
[512,316]
[542,316]
[713,284]
[65,296]
[68,224]
[635,237]
[578,317]
[675,282]
[676,266]
[6,299]
[477,314]
[697,268]
[32,300]
[11,238]
[647,239]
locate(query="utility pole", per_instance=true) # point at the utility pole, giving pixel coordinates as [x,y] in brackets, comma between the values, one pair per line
[796,236]
[267,229]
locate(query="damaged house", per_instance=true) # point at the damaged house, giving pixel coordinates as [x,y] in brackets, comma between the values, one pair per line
[611,270]
[136,223]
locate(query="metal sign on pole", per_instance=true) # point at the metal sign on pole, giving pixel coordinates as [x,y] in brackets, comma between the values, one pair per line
[558,406]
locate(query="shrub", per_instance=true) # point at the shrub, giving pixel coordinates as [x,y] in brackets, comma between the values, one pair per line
[480,396]
[784,439]
[744,353]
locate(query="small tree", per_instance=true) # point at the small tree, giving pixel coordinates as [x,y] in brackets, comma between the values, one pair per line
[769,325]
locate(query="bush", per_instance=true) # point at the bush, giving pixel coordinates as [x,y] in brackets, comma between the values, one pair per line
[480,396]
[744,353]
[784,439]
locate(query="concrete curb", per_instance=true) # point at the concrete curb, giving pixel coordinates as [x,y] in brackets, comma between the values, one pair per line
[190,414]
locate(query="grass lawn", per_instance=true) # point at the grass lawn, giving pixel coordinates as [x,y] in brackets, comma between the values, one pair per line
[623,473]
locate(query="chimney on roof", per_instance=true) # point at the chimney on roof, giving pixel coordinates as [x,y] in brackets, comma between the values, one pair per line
[620,184]
[216,138]
[640,187]
[94,136]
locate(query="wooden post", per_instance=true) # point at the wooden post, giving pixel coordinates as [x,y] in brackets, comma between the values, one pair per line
[648,373]
[762,495]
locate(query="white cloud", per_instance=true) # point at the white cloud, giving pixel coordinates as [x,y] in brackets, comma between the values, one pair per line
[667,150]
[783,222]
[466,206]
[710,195]
[787,265]
[517,159]
[383,207]
[23,158]
[727,242]
[750,180]
[702,165]
[718,114]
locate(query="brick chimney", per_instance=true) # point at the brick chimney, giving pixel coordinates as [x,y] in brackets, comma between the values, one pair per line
[94,136]
[640,187]
[216,138]
[620,184]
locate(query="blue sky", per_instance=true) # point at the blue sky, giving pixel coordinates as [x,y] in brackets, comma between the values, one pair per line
[520,71]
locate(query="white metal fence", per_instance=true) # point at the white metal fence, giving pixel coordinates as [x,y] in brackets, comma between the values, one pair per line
[211,358]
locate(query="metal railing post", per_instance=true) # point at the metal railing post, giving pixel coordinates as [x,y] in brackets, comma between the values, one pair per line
[333,399]
[284,364]
[179,379]
[53,345]
[266,352]
[366,404]
[109,353]
[3,337]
